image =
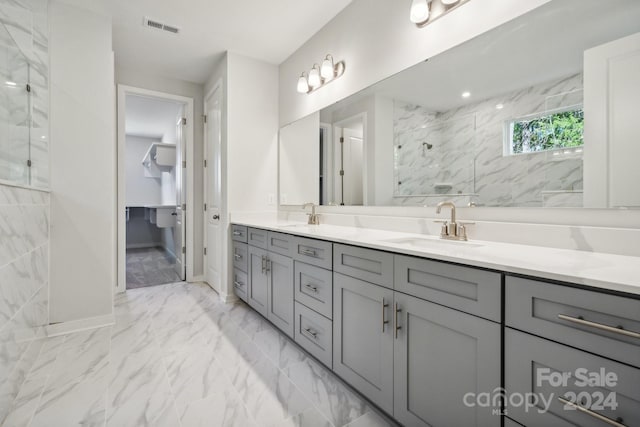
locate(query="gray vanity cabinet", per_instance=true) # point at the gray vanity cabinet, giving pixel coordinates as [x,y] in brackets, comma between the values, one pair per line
[441,354]
[258,290]
[280,292]
[363,338]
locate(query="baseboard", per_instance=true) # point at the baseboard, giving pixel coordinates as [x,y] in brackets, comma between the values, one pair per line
[229,298]
[200,278]
[64,328]
[143,245]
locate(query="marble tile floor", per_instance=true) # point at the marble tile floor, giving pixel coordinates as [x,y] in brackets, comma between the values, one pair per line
[150,267]
[178,356]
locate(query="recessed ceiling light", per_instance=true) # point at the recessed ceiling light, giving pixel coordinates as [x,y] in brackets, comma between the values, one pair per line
[466,94]
[499,107]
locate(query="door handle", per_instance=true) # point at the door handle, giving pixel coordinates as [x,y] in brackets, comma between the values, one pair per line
[174,213]
[398,327]
[216,217]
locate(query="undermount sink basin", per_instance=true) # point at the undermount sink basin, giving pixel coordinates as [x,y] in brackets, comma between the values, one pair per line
[432,243]
[295,226]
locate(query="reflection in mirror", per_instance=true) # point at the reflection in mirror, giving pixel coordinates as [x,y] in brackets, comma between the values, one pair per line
[299,160]
[510,118]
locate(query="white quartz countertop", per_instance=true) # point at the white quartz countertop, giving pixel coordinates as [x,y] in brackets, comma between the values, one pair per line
[599,270]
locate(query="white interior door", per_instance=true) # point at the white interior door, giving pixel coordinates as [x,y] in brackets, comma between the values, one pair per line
[179,229]
[213,176]
[349,166]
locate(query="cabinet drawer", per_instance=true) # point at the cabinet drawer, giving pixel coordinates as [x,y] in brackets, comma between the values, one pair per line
[240,256]
[529,361]
[280,243]
[314,288]
[463,288]
[315,252]
[240,284]
[576,317]
[239,233]
[364,264]
[314,333]
[257,237]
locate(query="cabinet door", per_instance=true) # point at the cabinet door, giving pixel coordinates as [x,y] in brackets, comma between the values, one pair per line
[363,339]
[280,307]
[257,296]
[440,355]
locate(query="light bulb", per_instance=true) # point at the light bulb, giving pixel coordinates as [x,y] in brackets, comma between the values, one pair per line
[419,11]
[11,83]
[303,86]
[327,71]
[466,94]
[449,2]
[314,77]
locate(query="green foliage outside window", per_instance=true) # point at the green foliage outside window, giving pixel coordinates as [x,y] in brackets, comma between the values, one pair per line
[558,130]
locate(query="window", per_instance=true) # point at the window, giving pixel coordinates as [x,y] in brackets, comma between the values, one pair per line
[561,129]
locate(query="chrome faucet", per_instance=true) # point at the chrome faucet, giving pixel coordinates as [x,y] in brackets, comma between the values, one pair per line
[314,218]
[452,230]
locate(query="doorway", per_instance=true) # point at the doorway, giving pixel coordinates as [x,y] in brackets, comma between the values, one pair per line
[349,159]
[154,136]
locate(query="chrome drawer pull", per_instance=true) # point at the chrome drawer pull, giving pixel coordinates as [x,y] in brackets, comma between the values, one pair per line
[308,252]
[237,233]
[600,326]
[264,264]
[237,256]
[312,288]
[311,332]
[616,423]
[238,284]
[384,322]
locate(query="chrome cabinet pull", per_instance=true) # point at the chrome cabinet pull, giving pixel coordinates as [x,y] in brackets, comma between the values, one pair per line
[607,420]
[237,256]
[238,284]
[613,329]
[384,322]
[237,233]
[308,252]
[313,334]
[264,264]
[312,288]
[267,264]
[398,327]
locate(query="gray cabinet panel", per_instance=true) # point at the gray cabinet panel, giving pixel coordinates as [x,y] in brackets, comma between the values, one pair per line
[258,293]
[527,361]
[314,288]
[366,264]
[535,307]
[362,343]
[240,284]
[280,243]
[440,355]
[239,233]
[463,288]
[240,256]
[257,237]
[280,278]
[315,252]
[314,333]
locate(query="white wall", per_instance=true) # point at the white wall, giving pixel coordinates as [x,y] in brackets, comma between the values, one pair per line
[83,167]
[141,190]
[132,77]
[376,40]
[299,161]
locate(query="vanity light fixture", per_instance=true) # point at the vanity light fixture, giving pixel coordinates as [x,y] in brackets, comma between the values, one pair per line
[320,75]
[423,12]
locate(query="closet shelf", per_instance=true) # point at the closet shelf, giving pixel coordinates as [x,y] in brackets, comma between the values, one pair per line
[159,158]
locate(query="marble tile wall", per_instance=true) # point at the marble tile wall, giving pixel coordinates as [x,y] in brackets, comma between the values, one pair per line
[24,293]
[466,155]
[27,125]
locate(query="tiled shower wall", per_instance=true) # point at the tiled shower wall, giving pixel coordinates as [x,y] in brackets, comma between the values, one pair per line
[24,215]
[461,152]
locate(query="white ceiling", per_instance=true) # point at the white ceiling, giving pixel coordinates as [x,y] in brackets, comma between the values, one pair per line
[268,30]
[545,44]
[151,118]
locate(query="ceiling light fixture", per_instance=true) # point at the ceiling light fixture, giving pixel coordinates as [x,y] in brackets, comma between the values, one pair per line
[423,12]
[320,75]
[466,94]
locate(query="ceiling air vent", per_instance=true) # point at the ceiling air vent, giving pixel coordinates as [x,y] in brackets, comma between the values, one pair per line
[152,23]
